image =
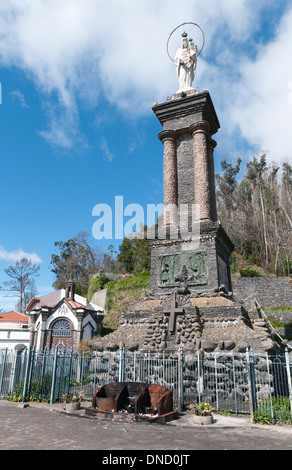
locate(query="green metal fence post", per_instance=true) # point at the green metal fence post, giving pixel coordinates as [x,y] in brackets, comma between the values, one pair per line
[14,371]
[31,369]
[95,370]
[42,373]
[181,380]
[2,371]
[122,365]
[54,375]
[288,370]
[234,382]
[216,382]
[108,365]
[269,385]
[251,381]
[199,376]
[69,371]
[82,368]
[124,362]
[26,374]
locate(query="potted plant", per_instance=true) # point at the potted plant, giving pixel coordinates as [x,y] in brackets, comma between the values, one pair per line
[72,402]
[202,413]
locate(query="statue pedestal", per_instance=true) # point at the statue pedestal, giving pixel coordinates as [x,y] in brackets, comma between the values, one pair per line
[199,263]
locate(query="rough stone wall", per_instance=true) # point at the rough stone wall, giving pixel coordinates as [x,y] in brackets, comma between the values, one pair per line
[214,323]
[269,292]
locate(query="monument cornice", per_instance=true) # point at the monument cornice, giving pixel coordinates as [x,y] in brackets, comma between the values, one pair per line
[197,107]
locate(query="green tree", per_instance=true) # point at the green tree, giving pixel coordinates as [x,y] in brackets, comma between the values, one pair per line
[77,257]
[141,255]
[125,257]
[97,283]
[227,185]
[134,253]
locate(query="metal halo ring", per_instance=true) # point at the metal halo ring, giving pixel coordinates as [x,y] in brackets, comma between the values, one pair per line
[195,24]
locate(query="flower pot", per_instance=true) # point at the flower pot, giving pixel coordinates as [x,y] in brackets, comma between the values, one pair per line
[201,419]
[72,407]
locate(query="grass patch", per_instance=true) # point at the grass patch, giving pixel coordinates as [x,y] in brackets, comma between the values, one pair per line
[276,409]
[250,273]
[281,307]
[122,295]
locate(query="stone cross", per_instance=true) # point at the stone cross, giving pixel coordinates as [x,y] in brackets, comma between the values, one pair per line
[173,312]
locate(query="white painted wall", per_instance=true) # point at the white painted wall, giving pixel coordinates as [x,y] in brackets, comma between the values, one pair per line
[10,338]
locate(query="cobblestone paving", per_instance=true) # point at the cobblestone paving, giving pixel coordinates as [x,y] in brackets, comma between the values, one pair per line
[44,428]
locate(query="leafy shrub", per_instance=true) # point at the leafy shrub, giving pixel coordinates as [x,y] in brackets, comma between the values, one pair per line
[274,409]
[249,273]
[97,283]
[40,388]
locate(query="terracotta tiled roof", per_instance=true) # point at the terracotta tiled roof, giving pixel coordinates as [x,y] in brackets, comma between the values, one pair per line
[54,298]
[75,304]
[32,303]
[14,316]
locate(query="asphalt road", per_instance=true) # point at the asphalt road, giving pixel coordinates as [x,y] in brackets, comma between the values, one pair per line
[44,428]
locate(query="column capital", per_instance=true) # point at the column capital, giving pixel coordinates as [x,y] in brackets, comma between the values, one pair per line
[212,144]
[167,135]
[201,126]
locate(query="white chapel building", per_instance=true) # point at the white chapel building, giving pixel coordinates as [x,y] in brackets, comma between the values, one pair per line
[63,318]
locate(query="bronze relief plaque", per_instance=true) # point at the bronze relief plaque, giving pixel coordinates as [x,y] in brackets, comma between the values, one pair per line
[187,268]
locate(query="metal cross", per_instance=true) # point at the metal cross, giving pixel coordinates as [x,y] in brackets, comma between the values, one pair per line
[173,312]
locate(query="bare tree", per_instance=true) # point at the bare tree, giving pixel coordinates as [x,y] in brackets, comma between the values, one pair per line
[21,281]
[256,211]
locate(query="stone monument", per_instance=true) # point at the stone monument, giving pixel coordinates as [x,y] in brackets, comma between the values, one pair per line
[199,257]
[190,303]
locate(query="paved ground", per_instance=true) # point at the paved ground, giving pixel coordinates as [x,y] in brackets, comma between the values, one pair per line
[48,427]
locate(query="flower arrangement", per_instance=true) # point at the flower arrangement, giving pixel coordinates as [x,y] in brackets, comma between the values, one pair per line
[202,409]
[73,398]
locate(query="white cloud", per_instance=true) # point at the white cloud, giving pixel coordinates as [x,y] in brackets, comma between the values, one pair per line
[261,107]
[115,47]
[107,154]
[7,303]
[16,255]
[77,51]
[20,97]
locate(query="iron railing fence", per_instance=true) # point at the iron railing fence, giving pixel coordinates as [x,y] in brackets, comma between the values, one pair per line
[240,383]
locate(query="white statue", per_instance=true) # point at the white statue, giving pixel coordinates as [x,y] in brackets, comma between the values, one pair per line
[186,63]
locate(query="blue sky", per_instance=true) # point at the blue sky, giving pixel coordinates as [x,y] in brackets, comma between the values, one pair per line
[78,82]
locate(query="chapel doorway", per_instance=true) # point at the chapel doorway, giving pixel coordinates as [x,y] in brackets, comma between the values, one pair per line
[61,334]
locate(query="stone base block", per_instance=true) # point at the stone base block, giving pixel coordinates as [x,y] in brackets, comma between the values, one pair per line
[203,420]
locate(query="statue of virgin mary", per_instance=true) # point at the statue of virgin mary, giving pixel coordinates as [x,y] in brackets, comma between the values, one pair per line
[186,63]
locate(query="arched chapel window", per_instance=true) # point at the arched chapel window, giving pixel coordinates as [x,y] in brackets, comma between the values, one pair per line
[61,328]
[61,333]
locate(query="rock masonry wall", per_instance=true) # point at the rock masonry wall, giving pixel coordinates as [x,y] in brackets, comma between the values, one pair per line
[213,323]
[270,292]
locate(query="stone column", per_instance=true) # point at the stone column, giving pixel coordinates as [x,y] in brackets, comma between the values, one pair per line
[78,333]
[211,146]
[42,331]
[200,132]
[168,138]
[33,318]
